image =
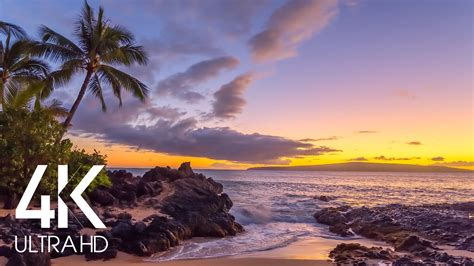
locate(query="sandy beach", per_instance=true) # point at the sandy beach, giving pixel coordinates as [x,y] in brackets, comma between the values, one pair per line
[125,259]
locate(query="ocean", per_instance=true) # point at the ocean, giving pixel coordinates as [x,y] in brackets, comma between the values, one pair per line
[277,207]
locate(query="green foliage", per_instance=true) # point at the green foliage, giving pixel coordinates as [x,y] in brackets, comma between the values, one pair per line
[29,138]
[80,163]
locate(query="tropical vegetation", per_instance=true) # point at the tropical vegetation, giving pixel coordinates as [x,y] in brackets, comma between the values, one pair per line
[31,123]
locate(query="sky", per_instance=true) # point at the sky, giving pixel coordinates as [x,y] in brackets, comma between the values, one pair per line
[242,83]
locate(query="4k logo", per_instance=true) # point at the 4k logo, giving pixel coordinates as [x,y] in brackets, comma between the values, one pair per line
[45,213]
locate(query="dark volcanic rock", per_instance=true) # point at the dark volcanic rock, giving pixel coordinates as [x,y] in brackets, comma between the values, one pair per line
[162,174]
[324,198]
[413,244]
[341,229]
[29,258]
[108,254]
[186,170]
[196,204]
[355,253]
[467,244]
[414,229]
[102,196]
[331,216]
[183,205]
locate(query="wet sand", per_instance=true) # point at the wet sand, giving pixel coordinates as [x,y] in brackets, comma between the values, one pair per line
[126,259]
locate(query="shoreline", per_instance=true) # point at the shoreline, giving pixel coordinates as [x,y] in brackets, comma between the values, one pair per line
[149,217]
[123,259]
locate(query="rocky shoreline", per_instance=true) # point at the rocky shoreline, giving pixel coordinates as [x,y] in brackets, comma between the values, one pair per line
[153,213]
[415,232]
[143,216]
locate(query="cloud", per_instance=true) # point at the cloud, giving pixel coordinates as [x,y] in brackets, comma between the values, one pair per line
[166,130]
[359,159]
[366,132]
[180,84]
[91,119]
[228,100]
[383,158]
[289,25]
[438,159]
[414,143]
[320,139]
[457,163]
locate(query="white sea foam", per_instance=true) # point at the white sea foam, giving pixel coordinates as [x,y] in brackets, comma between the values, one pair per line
[277,207]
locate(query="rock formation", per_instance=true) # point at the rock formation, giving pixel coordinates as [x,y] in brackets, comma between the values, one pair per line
[175,205]
[417,230]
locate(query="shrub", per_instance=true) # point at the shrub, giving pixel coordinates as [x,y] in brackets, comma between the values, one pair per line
[29,138]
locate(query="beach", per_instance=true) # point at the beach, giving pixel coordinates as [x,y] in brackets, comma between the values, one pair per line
[185,217]
[125,259]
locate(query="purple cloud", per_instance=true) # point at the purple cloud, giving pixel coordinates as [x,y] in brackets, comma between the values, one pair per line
[228,100]
[180,85]
[166,130]
[291,24]
[438,159]
[383,158]
[359,159]
[320,139]
[457,163]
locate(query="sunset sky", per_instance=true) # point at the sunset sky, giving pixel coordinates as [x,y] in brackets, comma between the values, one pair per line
[241,83]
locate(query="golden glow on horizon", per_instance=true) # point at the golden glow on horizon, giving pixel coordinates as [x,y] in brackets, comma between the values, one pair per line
[368,146]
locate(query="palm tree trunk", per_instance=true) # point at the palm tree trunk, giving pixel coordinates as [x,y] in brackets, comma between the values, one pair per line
[78,100]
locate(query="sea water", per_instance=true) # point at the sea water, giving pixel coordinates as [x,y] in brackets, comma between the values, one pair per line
[277,207]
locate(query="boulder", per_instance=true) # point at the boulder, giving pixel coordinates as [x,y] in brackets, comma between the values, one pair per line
[102,196]
[324,198]
[186,170]
[355,252]
[413,243]
[330,216]
[29,258]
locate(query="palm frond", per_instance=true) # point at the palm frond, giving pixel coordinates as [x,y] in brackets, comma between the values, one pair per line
[54,52]
[85,27]
[119,35]
[16,31]
[112,82]
[56,108]
[17,50]
[65,73]
[29,66]
[125,81]
[16,97]
[126,55]
[96,90]
[49,35]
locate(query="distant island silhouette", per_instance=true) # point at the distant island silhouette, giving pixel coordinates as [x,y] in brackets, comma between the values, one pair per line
[366,167]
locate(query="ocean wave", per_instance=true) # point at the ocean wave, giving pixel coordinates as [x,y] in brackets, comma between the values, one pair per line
[252,214]
[257,238]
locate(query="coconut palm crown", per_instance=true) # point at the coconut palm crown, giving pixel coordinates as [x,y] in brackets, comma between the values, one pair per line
[99,49]
[18,69]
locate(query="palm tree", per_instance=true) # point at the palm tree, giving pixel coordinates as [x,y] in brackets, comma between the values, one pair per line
[18,69]
[100,46]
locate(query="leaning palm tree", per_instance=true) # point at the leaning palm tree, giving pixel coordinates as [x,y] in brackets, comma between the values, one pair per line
[17,68]
[100,46]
